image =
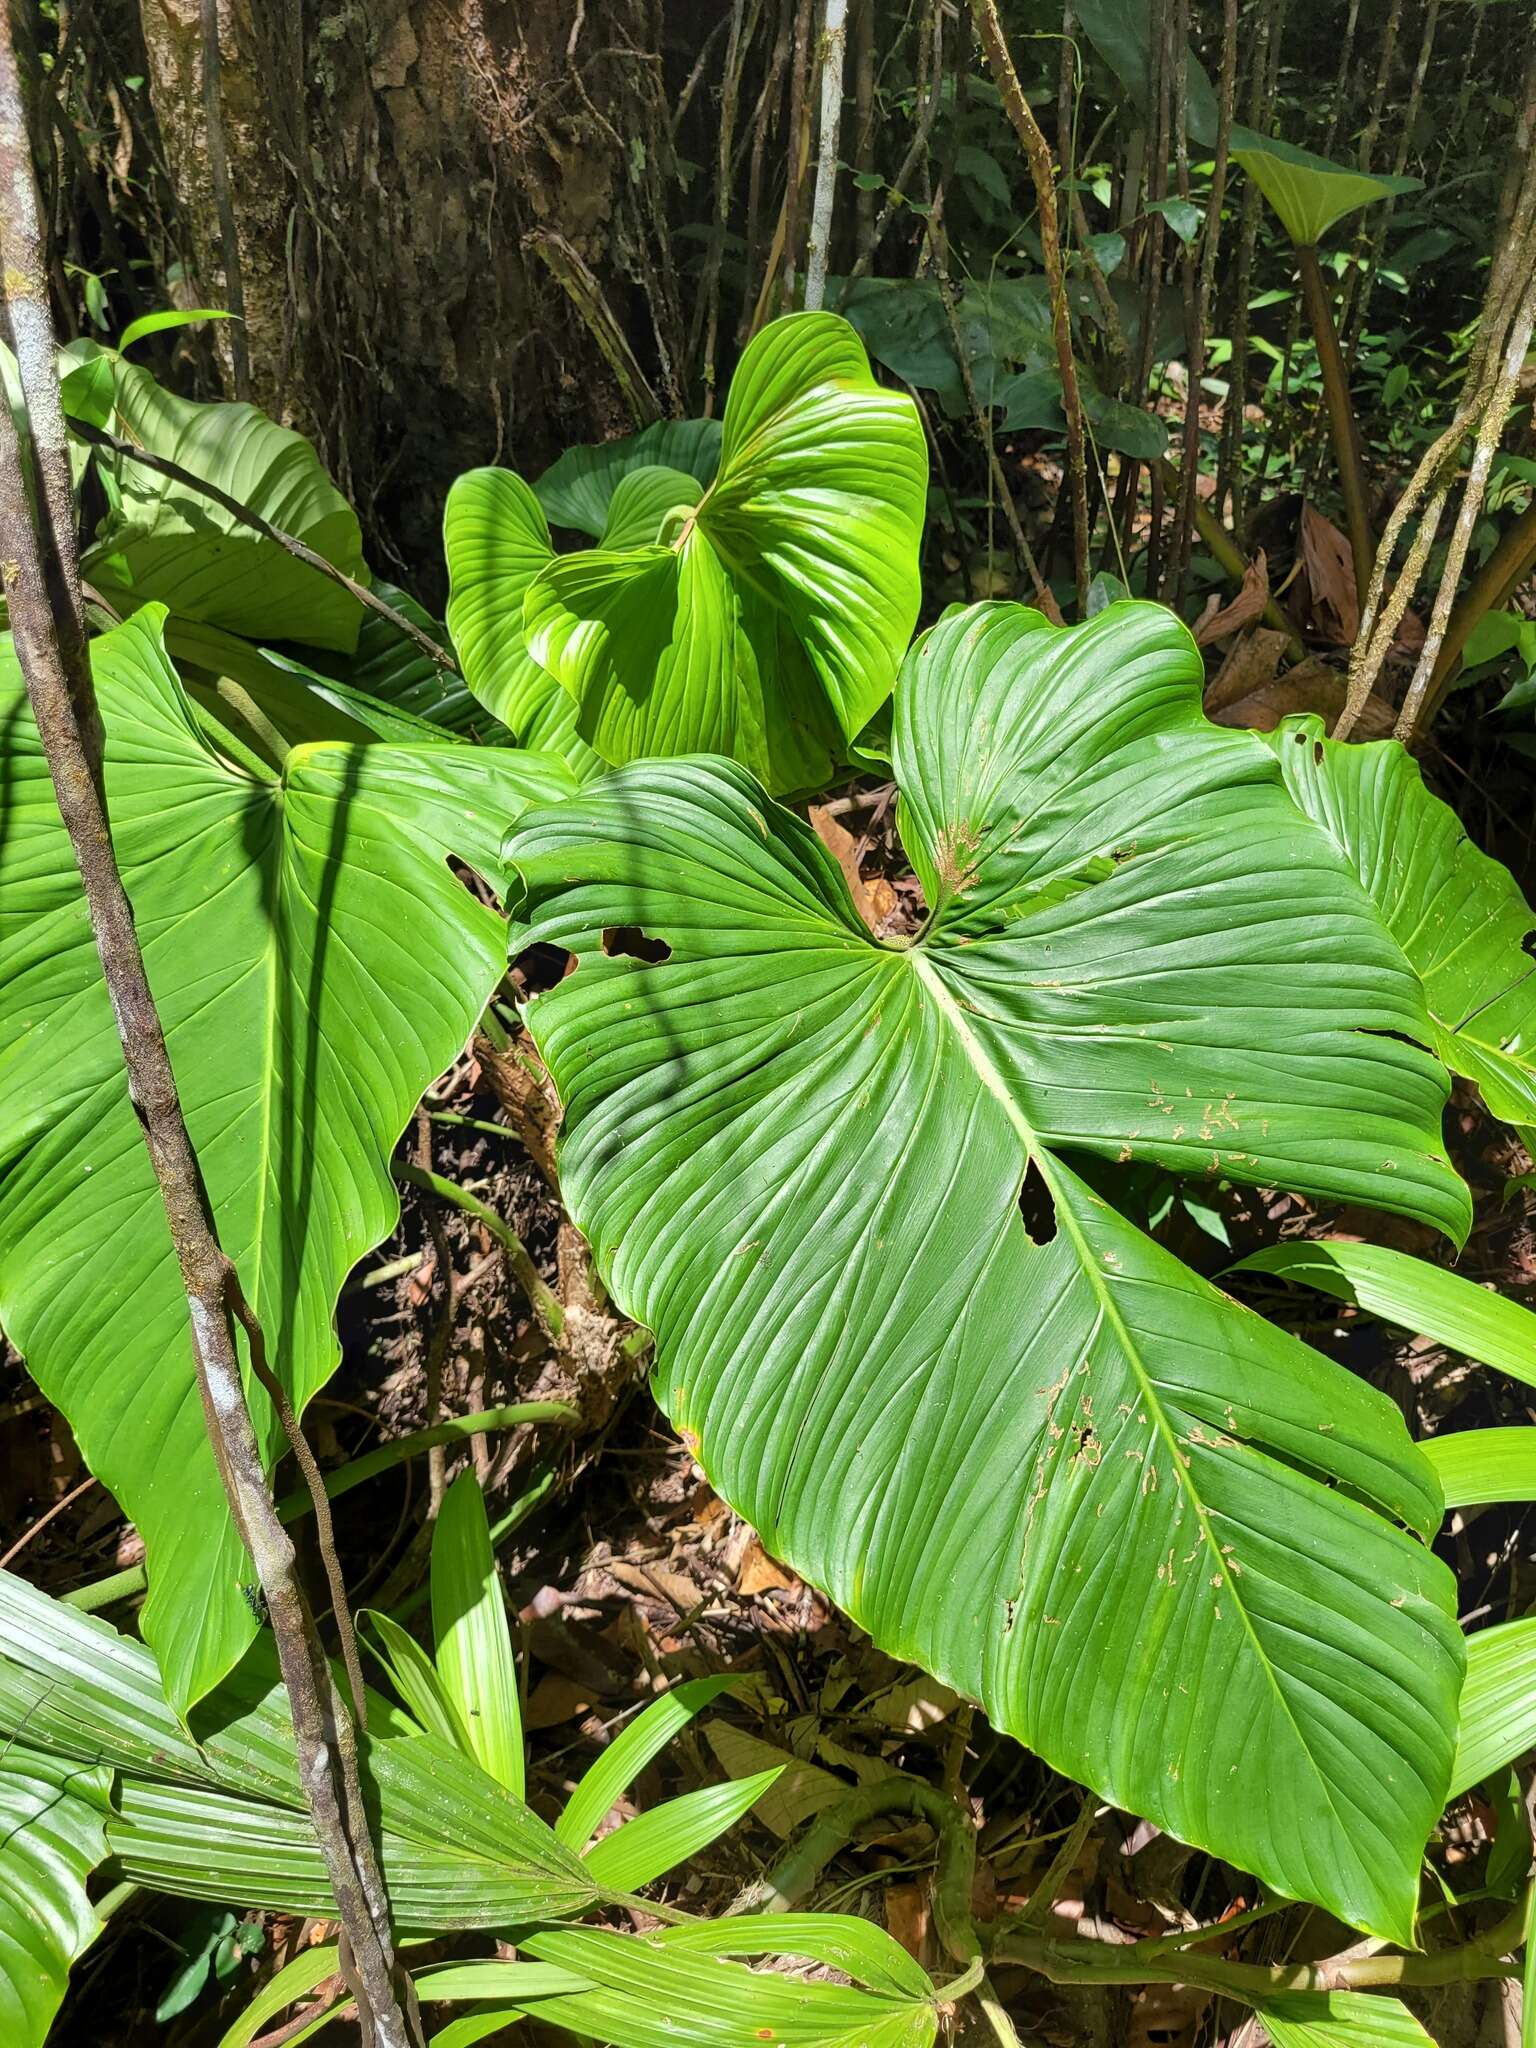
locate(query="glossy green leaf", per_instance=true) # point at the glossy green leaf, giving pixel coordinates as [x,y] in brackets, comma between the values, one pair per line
[1498,1702]
[474,1643]
[414,1677]
[1069,1478]
[658,1840]
[1308,192]
[256,701]
[576,490]
[1423,1298]
[858,1948]
[168,544]
[771,627]
[316,963]
[495,541]
[1341,2019]
[1475,1466]
[222,1817]
[53,1815]
[1457,914]
[641,503]
[163,322]
[649,1996]
[392,670]
[606,1781]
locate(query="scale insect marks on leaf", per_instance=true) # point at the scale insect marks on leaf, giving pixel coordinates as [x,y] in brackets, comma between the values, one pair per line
[1171,1548]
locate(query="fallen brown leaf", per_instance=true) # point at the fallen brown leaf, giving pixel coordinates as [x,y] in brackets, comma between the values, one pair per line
[875,899]
[1217,622]
[1330,578]
[1310,686]
[909,1920]
[759,1573]
[1250,661]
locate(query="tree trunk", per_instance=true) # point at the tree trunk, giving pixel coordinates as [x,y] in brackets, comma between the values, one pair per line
[386,160]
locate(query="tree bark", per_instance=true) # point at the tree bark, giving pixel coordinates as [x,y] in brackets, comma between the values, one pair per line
[385,164]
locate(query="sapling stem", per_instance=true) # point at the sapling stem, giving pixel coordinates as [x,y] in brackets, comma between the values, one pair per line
[1341,416]
[45,610]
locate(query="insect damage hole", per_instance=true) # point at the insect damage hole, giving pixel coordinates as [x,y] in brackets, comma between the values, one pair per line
[628,942]
[1036,1206]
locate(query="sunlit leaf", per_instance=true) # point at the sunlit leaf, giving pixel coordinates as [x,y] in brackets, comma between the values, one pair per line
[1067,1477]
[168,544]
[1308,192]
[771,626]
[495,541]
[53,1814]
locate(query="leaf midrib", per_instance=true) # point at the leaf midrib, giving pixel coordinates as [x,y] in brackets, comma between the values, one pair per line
[990,1078]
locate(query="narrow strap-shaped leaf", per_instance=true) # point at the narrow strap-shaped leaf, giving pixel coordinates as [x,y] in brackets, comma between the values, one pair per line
[414,1677]
[474,1643]
[666,1835]
[645,1996]
[1498,1702]
[1423,1298]
[1476,1466]
[605,1781]
[857,1947]
[311,1966]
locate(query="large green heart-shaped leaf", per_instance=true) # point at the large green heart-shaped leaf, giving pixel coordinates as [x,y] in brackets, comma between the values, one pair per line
[496,541]
[53,1816]
[771,628]
[1309,192]
[1457,913]
[1157,1538]
[315,963]
[167,544]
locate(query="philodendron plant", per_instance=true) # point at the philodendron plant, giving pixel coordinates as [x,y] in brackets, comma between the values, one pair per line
[751,593]
[1167,1545]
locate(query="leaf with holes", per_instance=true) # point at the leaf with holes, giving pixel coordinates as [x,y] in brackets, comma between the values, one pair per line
[770,624]
[315,962]
[1168,1546]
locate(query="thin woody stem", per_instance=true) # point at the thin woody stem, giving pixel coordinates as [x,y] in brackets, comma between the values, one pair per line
[1037,152]
[45,609]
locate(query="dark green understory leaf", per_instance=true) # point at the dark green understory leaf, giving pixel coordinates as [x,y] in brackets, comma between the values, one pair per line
[576,490]
[1158,1539]
[316,963]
